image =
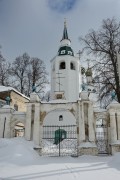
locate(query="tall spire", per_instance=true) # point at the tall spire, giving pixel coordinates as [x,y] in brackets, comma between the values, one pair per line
[65,43]
[65,34]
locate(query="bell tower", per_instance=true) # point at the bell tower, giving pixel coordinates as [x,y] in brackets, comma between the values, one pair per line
[65,71]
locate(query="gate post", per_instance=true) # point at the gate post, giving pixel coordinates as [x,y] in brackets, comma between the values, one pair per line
[113,126]
[59,140]
[91,123]
[81,124]
[28,122]
[118,124]
[36,124]
[6,113]
[114,112]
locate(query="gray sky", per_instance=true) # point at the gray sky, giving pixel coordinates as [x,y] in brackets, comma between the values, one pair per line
[36,26]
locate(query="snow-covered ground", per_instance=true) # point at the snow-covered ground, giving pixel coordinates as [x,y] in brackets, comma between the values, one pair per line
[18,161]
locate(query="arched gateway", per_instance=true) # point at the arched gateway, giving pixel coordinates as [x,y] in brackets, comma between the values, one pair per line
[59,133]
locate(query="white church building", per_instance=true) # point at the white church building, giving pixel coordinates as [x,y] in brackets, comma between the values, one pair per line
[71,123]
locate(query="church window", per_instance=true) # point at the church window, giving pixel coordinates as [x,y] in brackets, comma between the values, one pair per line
[62,65]
[69,52]
[72,66]
[62,52]
[16,107]
[59,96]
[60,118]
[94,90]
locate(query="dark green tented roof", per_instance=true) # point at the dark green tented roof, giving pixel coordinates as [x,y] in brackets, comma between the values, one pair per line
[65,50]
[65,33]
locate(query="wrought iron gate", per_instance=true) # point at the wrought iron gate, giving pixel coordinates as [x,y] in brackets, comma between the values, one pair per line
[102,138]
[59,140]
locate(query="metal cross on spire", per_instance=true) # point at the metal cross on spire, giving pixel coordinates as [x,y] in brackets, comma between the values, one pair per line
[88,62]
[79,53]
[65,23]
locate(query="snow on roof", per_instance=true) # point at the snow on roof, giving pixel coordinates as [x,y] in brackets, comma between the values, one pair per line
[8,88]
[60,101]
[7,107]
[114,102]
[98,109]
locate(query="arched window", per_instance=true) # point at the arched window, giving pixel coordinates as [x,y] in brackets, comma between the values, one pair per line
[72,66]
[16,107]
[70,53]
[62,52]
[62,65]
[60,118]
[89,89]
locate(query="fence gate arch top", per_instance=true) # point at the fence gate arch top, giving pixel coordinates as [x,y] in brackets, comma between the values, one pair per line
[17,128]
[59,117]
[102,136]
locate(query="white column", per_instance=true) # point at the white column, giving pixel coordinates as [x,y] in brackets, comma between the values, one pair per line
[2,121]
[7,127]
[36,124]
[81,123]
[113,127]
[41,134]
[118,124]
[91,123]
[28,122]
[6,113]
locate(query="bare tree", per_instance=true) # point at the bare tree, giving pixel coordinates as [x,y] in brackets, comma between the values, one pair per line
[103,45]
[24,73]
[19,72]
[4,71]
[37,74]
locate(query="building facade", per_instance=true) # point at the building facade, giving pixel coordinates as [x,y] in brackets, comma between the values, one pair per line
[70,123]
[17,100]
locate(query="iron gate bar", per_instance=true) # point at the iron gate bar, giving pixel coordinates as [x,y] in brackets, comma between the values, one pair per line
[59,142]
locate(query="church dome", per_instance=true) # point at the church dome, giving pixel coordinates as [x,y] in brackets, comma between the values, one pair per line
[88,72]
[65,50]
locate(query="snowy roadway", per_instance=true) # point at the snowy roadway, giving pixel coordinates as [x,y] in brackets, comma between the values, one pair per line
[18,161]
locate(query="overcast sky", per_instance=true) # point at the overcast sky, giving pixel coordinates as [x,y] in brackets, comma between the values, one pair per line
[36,26]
